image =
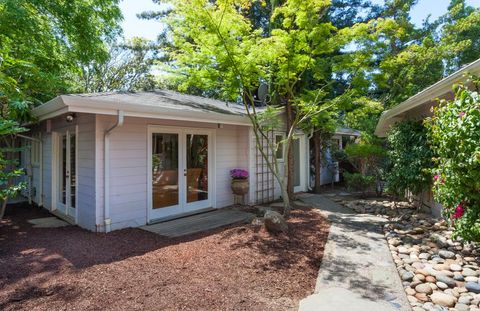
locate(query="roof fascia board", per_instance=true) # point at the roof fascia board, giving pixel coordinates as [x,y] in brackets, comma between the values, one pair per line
[427,95]
[81,105]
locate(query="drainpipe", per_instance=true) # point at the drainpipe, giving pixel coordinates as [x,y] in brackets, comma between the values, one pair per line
[40,190]
[106,170]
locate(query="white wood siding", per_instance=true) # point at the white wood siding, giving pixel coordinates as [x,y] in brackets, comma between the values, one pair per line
[85,166]
[128,166]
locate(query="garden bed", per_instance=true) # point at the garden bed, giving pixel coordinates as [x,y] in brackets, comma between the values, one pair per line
[437,272]
[234,268]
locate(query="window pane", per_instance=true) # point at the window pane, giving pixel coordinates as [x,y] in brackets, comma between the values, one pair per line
[197,168]
[279,144]
[164,170]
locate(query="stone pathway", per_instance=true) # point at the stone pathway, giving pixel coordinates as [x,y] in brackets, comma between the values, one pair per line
[357,272]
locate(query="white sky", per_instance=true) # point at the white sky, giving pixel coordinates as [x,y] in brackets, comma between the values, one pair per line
[134,27]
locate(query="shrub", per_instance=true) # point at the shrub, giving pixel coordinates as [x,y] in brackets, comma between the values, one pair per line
[410,158]
[359,182]
[454,131]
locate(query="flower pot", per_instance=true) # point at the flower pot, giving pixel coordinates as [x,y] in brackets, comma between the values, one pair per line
[240,186]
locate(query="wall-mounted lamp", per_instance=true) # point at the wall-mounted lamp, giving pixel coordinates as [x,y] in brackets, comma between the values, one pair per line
[69,118]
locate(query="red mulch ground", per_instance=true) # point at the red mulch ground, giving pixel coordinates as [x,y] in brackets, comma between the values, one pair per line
[234,268]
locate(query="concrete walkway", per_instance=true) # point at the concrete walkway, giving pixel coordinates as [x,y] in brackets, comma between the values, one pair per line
[357,271]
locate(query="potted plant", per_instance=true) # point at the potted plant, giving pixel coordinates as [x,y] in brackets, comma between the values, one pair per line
[239,181]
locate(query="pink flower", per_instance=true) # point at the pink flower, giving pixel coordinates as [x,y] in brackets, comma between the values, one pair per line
[438,178]
[461,114]
[459,211]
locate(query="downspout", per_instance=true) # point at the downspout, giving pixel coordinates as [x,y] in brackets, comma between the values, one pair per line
[106,170]
[40,203]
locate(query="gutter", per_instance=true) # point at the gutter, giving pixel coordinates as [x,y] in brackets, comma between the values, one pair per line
[38,140]
[106,170]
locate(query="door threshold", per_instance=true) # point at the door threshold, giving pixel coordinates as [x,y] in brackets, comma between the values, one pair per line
[62,216]
[182,215]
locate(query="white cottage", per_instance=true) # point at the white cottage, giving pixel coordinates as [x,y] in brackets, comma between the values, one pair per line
[108,161]
[114,160]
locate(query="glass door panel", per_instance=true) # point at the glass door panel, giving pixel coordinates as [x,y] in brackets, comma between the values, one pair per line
[63,169]
[66,185]
[165,186]
[72,174]
[197,167]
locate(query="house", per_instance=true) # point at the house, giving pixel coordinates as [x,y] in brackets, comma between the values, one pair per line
[420,106]
[108,161]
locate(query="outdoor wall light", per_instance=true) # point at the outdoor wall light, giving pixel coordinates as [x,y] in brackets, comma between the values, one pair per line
[70,117]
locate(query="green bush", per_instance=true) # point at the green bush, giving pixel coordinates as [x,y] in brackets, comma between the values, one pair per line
[454,131]
[359,182]
[410,158]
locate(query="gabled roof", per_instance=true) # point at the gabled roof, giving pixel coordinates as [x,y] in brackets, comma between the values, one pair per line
[153,104]
[346,131]
[422,101]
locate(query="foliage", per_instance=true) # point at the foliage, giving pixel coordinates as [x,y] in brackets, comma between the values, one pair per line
[127,68]
[45,42]
[454,131]
[365,156]
[43,45]
[363,114]
[410,158]
[216,46]
[359,182]
[9,171]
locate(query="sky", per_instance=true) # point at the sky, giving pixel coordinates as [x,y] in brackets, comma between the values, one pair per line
[134,27]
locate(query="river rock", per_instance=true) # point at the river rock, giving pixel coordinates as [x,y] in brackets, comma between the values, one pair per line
[446,254]
[423,288]
[445,279]
[443,299]
[473,287]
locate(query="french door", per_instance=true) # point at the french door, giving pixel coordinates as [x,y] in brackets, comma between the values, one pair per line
[180,169]
[66,162]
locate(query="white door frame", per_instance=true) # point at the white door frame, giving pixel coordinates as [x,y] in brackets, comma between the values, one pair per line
[303,165]
[66,210]
[183,206]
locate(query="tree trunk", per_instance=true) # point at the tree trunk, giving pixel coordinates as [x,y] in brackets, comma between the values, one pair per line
[317,142]
[3,207]
[290,157]
[284,188]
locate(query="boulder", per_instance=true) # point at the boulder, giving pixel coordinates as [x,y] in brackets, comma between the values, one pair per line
[274,222]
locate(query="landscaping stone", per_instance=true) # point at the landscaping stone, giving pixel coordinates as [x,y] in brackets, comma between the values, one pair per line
[446,254]
[461,307]
[407,276]
[473,287]
[274,222]
[439,272]
[443,299]
[445,279]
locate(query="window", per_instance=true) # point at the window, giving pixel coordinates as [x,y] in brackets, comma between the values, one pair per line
[279,144]
[35,152]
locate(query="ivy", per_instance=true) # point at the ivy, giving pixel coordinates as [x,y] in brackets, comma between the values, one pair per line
[454,131]
[410,158]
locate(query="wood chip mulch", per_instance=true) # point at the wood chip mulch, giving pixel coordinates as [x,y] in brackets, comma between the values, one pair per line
[240,267]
